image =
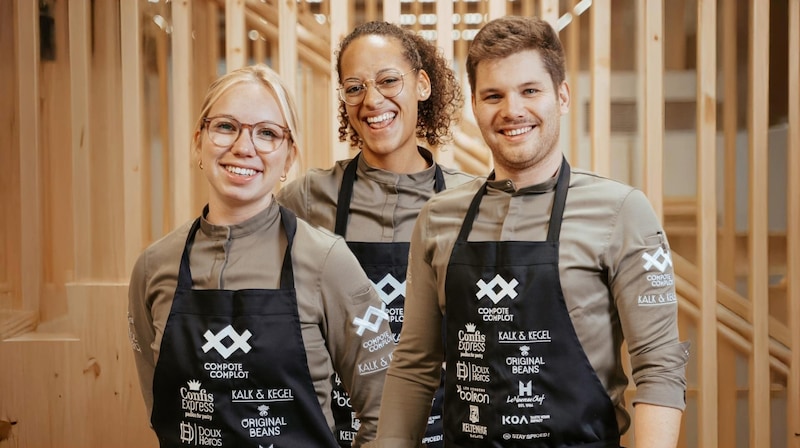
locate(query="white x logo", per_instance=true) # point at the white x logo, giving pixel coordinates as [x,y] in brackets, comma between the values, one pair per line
[506,289]
[396,290]
[654,260]
[365,323]
[215,341]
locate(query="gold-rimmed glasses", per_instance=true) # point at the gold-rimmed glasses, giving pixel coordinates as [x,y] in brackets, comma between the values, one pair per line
[266,136]
[389,84]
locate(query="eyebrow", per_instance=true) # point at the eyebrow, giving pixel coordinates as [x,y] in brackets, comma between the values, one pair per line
[380,72]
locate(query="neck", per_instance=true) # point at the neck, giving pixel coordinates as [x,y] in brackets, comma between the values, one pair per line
[221,214]
[404,161]
[538,172]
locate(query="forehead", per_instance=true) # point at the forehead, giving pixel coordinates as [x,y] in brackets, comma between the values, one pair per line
[367,55]
[248,102]
[521,67]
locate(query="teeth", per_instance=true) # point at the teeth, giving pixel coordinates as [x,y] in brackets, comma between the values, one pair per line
[241,171]
[514,132]
[379,118]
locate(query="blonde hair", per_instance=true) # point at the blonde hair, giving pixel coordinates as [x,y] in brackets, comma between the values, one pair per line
[257,74]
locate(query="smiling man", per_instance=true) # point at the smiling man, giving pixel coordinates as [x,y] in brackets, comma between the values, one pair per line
[538,275]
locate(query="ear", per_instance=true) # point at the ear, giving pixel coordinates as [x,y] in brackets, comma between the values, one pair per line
[423,85]
[197,151]
[291,155]
[563,97]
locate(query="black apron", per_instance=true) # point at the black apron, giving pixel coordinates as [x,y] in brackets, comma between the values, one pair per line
[385,264]
[517,374]
[233,370]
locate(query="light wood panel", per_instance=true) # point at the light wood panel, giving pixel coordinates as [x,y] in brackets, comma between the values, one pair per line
[707,219]
[600,68]
[758,286]
[793,226]
[29,155]
[338,22]
[235,35]
[287,53]
[652,53]
[10,297]
[181,160]
[730,37]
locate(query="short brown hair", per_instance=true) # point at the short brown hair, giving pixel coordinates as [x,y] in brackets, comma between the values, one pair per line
[509,35]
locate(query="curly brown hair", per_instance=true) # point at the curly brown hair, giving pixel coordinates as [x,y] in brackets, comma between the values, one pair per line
[439,111]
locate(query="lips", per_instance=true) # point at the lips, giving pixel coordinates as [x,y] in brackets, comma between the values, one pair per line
[239,171]
[381,121]
[517,131]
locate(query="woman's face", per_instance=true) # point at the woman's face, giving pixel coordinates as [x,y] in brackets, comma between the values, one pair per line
[242,178]
[387,126]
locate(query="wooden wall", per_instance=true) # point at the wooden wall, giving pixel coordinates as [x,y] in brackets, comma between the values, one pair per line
[97,142]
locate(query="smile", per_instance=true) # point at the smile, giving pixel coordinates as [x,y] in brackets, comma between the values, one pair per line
[382,118]
[240,171]
[515,132]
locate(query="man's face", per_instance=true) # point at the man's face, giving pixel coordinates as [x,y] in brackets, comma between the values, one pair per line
[518,110]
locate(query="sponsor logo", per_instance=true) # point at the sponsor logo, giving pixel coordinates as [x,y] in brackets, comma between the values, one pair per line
[196,402]
[261,395]
[467,371]
[265,425]
[526,398]
[524,365]
[197,435]
[523,337]
[471,342]
[507,289]
[660,259]
[657,299]
[472,428]
[367,322]
[225,370]
[377,343]
[660,280]
[389,288]
[523,419]
[472,394]
[132,336]
[374,365]
[238,341]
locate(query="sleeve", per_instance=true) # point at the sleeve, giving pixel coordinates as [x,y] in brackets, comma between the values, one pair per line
[358,336]
[414,374]
[642,284]
[295,197]
[140,329]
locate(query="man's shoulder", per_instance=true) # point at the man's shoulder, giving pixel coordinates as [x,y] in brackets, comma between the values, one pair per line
[454,178]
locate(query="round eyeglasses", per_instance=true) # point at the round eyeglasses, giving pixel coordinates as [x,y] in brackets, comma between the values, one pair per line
[389,84]
[265,135]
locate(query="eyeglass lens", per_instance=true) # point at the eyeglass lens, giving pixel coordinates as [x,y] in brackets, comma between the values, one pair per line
[266,136]
[389,84]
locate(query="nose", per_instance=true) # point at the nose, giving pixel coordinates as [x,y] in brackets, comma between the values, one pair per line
[371,94]
[513,107]
[244,142]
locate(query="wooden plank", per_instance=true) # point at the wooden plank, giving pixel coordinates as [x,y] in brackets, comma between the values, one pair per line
[81,139]
[287,52]
[10,223]
[600,69]
[653,127]
[181,160]
[727,404]
[548,10]
[132,141]
[29,154]
[497,9]
[391,12]
[793,227]
[758,287]
[707,219]
[730,129]
[339,20]
[573,56]
[444,40]
[235,38]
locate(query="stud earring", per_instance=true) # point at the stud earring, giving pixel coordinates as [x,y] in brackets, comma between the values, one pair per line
[283,178]
[200,164]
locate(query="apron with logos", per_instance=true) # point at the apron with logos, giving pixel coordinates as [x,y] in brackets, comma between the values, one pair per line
[385,264]
[517,374]
[232,370]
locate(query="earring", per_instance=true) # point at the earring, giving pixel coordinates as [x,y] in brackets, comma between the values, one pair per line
[283,178]
[200,164]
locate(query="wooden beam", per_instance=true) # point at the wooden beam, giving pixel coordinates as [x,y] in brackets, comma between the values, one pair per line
[758,287]
[653,139]
[132,140]
[497,9]
[573,56]
[707,218]
[235,35]
[182,153]
[287,51]
[444,40]
[391,12]
[730,129]
[600,68]
[80,81]
[339,20]
[793,226]
[548,10]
